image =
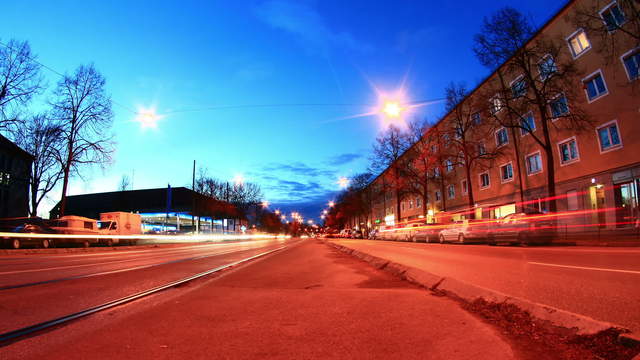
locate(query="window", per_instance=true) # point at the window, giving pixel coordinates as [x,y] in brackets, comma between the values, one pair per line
[572,200]
[594,86]
[506,172]
[609,136]
[477,119]
[484,180]
[451,191]
[436,172]
[459,132]
[502,138]
[481,149]
[434,149]
[547,67]
[496,104]
[631,62]
[464,187]
[410,204]
[449,164]
[418,202]
[613,16]
[578,43]
[534,163]
[568,151]
[559,106]
[402,205]
[519,87]
[527,124]
[445,139]
[5,178]
[437,195]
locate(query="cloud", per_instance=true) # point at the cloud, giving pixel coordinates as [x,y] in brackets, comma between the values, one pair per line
[299,169]
[309,207]
[343,159]
[307,25]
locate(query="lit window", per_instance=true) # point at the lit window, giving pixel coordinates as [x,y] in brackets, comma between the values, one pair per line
[613,17]
[595,86]
[437,195]
[418,202]
[506,172]
[559,106]
[527,124]
[449,164]
[476,118]
[632,64]
[568,151]
[496,104]
[519,87]
[451,191]
[534,164]
[464,186]
[546,67]
[436,172]
[502,138]
[609,136]
[484,180]
[579,43]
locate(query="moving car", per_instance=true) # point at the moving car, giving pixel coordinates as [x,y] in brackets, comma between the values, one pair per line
[523,229]
[465,231]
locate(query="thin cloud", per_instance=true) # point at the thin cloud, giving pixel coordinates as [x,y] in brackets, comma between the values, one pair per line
[343,159]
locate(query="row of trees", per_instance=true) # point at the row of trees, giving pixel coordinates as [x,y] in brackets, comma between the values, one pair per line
[412,160]
[71,132]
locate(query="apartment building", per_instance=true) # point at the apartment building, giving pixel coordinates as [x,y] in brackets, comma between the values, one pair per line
[15,169]
[496,147]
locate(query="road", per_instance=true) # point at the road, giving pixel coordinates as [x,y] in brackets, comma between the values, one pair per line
[305,301]
[602,283]
[40,287]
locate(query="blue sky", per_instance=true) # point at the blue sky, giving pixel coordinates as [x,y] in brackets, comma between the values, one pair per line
[203,65]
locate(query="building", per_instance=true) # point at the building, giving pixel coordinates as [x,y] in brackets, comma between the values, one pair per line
[15,170]
[589,130]
[165,209]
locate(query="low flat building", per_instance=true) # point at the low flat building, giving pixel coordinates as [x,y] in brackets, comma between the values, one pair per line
[163,209]
[15,170]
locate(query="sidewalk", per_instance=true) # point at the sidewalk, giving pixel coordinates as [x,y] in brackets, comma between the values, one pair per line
[307,302]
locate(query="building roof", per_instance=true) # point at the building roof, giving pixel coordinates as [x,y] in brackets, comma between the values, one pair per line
[13,148]
[181,199]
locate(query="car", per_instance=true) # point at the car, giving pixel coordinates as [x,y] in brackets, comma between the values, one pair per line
[428,232]
[27,225]
[465,231]
[522,229]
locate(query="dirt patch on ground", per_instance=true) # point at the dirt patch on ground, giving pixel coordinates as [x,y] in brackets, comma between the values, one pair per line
[537,339]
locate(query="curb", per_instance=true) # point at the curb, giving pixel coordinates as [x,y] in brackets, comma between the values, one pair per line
[580,324]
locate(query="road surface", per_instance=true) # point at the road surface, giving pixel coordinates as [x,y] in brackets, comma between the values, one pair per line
[602,283]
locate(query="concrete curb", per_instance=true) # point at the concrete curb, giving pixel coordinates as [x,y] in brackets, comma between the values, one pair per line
[580,324]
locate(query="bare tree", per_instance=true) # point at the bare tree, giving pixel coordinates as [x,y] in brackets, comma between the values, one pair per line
[42,138]
[210,186]
[388,148]
[84,111]
[545,83]
[468,132]
[20,80]
[124,184]
[617,26]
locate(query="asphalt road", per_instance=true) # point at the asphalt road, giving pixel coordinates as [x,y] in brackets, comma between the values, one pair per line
[41,287]
[602,283]
[305,301]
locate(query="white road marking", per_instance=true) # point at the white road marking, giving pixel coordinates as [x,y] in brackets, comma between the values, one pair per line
[586,268]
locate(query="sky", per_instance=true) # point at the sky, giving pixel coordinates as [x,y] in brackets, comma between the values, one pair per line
[268,90]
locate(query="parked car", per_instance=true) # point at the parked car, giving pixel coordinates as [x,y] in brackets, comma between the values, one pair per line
[428,232]
[465,231]
[30,225]
[523,229]
[373,234]
[345,233]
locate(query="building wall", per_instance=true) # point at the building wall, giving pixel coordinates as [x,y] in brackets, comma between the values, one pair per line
[597,179]
[15,167]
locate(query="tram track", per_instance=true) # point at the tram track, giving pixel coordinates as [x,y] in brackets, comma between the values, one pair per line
[16,335]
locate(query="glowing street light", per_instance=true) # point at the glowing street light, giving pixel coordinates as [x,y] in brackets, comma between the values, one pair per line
[332,204]
[310,222]
[265,204]
[325,212]
[277,212]
[343,182]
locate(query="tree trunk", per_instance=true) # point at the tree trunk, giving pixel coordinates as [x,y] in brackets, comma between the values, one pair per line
[472,201]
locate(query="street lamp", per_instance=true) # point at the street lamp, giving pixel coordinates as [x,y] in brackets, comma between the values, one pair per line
[343,182]
[332,204]
[265,204]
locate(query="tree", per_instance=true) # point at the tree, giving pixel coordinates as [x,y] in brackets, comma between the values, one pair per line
[467,134]
[20,80]
[210,186]
[387,149]
[84,111]
[125,183]
[42,138]
[617,28]
[546,83]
